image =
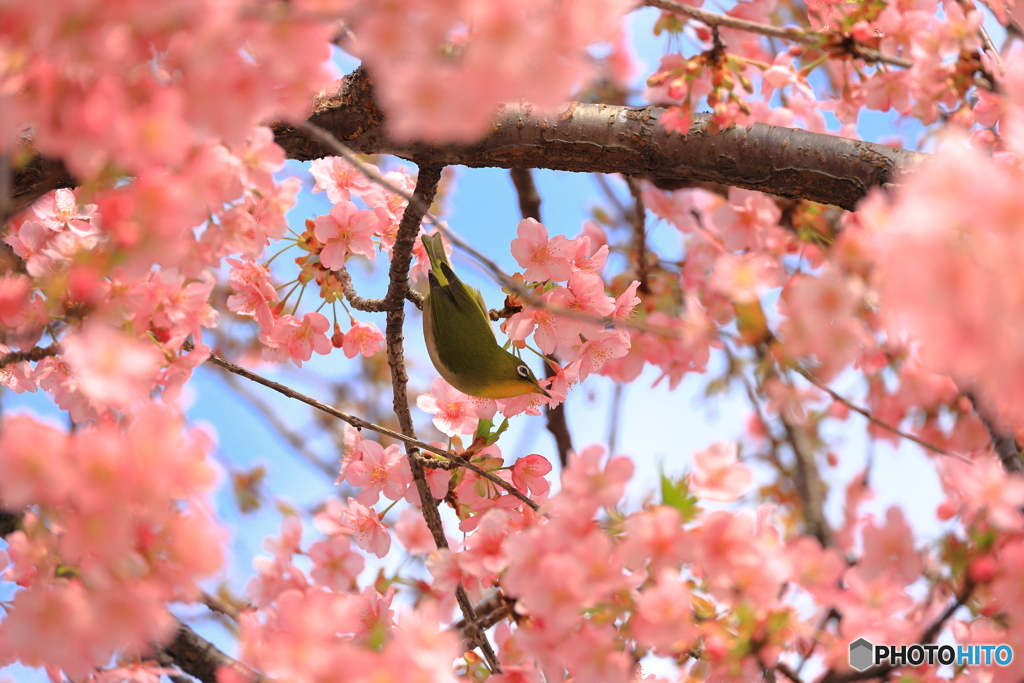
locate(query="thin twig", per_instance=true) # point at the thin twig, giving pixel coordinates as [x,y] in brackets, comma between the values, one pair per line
[220,606]
[871,418]
[296,440]
[794,34]
[360,423]
[639,223]
[809,484]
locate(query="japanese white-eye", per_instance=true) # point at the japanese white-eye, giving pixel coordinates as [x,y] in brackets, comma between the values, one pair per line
[460,340]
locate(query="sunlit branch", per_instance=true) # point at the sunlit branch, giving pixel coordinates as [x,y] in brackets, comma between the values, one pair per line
[606,138]
[808,481]
[355,301]
[491,610]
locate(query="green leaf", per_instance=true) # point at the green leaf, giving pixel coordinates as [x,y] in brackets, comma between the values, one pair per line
[485,430]
[676,493]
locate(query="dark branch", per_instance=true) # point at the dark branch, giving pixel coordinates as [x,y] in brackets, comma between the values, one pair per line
[34,354]
[529,206]
[200,658]
[1003,440]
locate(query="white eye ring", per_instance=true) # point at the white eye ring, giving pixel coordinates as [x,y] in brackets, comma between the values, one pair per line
[523,371]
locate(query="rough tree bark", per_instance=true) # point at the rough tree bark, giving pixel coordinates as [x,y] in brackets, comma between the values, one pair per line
[590,138]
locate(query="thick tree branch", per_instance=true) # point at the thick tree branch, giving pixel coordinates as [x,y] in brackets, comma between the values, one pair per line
[587,138]
[601,138]
[30,181]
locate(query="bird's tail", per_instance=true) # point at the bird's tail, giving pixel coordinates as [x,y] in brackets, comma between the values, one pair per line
[434,246]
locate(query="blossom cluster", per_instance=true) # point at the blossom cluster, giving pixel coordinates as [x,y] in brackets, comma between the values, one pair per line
[117,526]
[595,590]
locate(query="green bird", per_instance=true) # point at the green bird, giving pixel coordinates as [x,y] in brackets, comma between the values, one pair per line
[460,340]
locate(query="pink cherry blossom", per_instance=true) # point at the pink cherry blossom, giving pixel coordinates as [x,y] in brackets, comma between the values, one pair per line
[335,565]
[589,297]
[541,258]
[340,178]
[379,470]
[454,412]
[296,340]
[412,532]
[444,566]
[746,219]
[362,338]
[358,521]
[664,616]
[549,329]
[594,353]
[255,290]
[113,369]
[982,489]
[345,230]
[587,479]
[528,474]
[744,279]
[484,556]
[655,536]
[60,210]
[18,377]
[718,475]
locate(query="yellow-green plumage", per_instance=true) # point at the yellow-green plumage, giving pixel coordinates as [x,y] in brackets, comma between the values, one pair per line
[460,339]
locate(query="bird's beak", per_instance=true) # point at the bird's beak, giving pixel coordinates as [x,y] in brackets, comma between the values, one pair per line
[540,390]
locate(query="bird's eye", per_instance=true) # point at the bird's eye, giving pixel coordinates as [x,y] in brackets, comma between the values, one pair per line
[523,371]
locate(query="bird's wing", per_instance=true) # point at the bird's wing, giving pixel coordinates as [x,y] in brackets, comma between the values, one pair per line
[468,299]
